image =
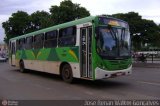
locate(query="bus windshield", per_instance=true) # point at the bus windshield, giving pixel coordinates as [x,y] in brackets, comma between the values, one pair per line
[113,42]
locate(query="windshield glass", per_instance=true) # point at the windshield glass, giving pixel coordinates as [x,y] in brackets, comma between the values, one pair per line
[113,42]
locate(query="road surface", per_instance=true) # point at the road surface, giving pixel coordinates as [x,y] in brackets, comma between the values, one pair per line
[144,83]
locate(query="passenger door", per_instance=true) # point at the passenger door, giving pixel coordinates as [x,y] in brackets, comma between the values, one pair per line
[86,52]
[13,53]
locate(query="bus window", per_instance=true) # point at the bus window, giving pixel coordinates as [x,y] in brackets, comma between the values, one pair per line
[29,42]
[38,41]
[17,44]
[67,36]
[21,44]
[13,48]
[51,39]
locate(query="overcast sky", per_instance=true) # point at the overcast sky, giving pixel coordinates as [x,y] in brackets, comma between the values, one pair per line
[148,9]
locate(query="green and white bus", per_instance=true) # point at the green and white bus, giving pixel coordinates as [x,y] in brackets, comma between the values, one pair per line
[95,47]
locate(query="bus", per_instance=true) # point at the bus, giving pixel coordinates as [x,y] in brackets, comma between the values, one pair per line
[91,48]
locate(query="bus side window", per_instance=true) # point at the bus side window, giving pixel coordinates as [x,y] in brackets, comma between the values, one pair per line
[51,39]
[38,41]
[29,42]
[17,44]
[21,44]
[67,36]
[13,48]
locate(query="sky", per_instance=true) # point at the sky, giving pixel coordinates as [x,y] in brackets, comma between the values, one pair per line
[148,9]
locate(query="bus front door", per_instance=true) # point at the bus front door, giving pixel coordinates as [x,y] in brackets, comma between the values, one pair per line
[13,53]
[86,52]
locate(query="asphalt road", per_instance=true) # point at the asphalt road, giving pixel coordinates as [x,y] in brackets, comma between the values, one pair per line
[144,83]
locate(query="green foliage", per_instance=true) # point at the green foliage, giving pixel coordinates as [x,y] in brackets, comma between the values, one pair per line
[67,11]
[21,23]
[39,20]
[16,25]
[142,30]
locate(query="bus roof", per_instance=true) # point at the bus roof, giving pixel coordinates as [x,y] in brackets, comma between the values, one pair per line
[67,24]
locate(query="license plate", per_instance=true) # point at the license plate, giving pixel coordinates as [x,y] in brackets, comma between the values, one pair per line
[119,74]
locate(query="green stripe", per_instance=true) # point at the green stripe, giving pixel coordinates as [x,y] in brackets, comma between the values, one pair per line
[50,54]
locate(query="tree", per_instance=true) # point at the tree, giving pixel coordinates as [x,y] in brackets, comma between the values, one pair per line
[16,25]
[142,31]
[39,20]
[67,11]
[158,37]
[21,23]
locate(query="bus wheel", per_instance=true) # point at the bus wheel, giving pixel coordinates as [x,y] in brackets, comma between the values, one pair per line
[67,75]
[21,66]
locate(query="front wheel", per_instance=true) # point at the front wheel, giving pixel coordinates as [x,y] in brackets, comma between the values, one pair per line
[67,75]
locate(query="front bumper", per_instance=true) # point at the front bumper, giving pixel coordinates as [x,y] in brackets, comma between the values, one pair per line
[101,74]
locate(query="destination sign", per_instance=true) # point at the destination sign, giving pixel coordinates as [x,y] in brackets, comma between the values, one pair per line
[112,22]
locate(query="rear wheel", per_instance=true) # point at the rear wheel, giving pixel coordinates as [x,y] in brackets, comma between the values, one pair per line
[67,75]
[21,66]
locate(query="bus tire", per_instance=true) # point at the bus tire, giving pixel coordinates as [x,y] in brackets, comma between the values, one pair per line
[67,74]
[21,66]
